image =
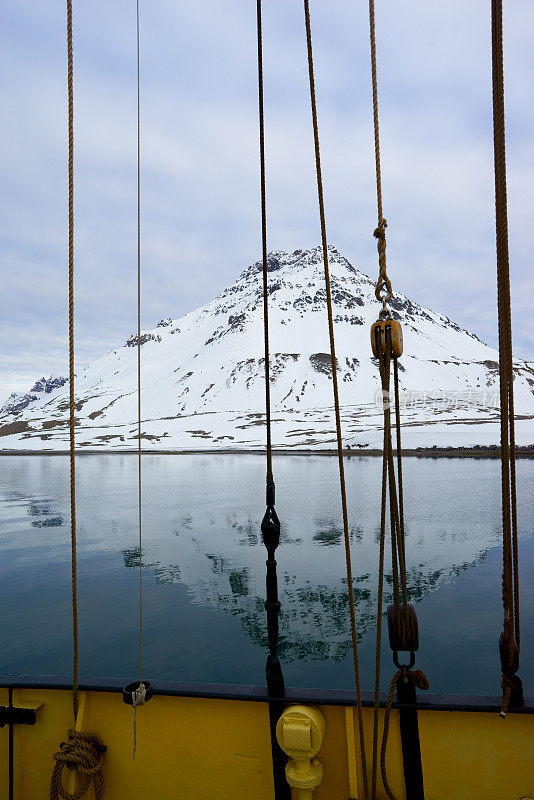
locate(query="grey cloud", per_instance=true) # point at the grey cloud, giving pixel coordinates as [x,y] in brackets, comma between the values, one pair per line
[200,172]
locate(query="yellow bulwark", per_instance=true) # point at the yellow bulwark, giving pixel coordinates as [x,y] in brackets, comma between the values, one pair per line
[213,743]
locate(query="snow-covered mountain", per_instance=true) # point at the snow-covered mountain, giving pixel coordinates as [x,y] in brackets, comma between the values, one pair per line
[17,401]
[203,386]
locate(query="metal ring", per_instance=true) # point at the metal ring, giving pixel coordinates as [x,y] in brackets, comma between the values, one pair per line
[404,666]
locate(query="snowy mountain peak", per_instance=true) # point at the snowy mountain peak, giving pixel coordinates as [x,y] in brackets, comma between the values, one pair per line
[300,260]
[17,401]
[203,374]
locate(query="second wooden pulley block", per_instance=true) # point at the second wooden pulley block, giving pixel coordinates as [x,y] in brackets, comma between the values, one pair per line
[403,628]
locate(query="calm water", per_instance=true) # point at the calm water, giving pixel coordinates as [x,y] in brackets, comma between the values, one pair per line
[204,568]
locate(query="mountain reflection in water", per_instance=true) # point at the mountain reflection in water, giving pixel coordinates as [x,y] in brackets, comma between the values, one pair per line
[204,563]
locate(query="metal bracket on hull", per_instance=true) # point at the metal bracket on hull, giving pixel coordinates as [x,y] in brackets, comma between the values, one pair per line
[9,715]
[411,748]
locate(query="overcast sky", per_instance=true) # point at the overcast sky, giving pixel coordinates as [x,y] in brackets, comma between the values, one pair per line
[200,192]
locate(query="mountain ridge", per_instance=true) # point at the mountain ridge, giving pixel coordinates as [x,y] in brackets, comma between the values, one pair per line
[209,365]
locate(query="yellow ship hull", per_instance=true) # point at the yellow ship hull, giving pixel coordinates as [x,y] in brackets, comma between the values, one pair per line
[213,743]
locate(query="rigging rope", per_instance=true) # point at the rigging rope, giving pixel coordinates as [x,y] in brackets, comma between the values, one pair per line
[270,526]
[386,341]
[72,420]
[139,694]
[354,635]
[383,290]
[83,752]
[510,638]
[139,485]
[264,253]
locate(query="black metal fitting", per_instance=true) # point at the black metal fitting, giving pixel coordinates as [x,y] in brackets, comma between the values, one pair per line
[9,715]
[270,494]
[274,677]
[270,529]
[410,664]
[130,688]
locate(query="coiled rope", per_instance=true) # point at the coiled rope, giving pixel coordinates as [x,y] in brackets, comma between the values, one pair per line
[510,639]
[83,752]
[333,359]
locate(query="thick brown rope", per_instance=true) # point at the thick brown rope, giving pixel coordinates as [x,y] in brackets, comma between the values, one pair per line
[421,682]
[513,492]
[383,291]
[84,753]
[375,110]
[398,557]
[72,420]
[379,614]
[398,442]
[336,396]
[270,479]
[510,577]
[395,499]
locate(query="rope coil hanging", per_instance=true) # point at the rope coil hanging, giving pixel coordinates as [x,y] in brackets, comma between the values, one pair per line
[83,752]
[320,197]
[509,644]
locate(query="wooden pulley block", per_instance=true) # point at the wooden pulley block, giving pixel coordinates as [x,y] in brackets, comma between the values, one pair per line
[403,628]
[395,331]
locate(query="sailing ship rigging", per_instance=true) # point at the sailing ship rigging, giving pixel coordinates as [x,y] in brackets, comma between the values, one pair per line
[210,742]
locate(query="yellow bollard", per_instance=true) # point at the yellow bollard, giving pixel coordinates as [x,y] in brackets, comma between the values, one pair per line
[300,732]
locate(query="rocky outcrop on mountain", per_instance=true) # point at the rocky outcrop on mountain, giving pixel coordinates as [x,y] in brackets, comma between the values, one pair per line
[17,401]
[203,374]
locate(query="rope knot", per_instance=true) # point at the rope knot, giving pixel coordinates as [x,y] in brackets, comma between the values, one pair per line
[419,678]
[383,283]
[139,696]
[380,230]
[512,687]
[84,753]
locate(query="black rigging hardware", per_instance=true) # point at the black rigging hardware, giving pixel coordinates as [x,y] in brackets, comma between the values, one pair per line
[270,526]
